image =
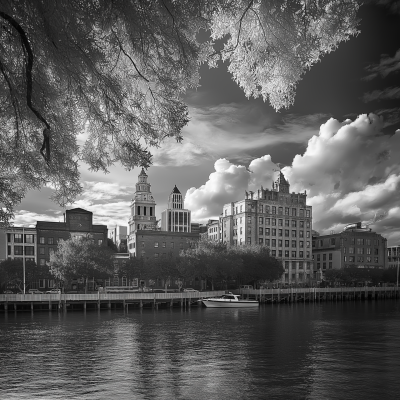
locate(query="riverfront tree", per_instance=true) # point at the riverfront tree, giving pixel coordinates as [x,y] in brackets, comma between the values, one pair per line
[117,71]
[81,259]
[257,264]
[11,274]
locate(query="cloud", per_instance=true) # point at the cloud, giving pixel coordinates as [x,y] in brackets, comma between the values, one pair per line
[390,93]
[386,66]
[349,169]
[30,218]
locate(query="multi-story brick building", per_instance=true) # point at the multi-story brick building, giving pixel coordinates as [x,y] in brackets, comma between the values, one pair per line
[275,218]
[355,246]
[78,224]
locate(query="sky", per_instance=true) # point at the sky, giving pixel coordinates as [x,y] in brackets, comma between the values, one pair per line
[340,142]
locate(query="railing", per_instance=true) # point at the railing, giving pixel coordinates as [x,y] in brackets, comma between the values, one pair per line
[107,296]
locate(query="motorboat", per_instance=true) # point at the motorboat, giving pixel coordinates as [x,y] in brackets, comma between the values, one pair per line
[229,300]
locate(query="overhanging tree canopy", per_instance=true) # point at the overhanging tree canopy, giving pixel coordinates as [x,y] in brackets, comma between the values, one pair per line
[116,71]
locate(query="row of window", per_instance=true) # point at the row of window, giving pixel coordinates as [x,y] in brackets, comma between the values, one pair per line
[19,250]
[361,250]
[323,257]
[352,240]
[19,238]
[302,265]
[287,253]
[273,210]
[324,265]
[51,241]
[360,259]
[287,243]
[292,223]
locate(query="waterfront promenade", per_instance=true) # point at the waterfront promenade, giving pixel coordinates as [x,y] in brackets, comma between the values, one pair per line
[65,302]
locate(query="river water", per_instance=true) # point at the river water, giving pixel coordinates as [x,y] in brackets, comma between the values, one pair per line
[348,350]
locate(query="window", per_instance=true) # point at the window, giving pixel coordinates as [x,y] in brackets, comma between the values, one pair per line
[279,243]
[301,234]
[260,241]
[287,233]
[267,221]
[308,234]
[42,262]
[307,224]
[273,253]
[249,220]
[308,244]
[18,238]
[301,224]
[286,253]
[41,250]
[29,251]
[273,242]
[301,214]
[301,265]
[241,209]
[376,251]
[301,244]
[368,242]
[301,254]
[294,243]
[333,241]
[293,233]
[324,265]
[351,258]
[368,259]
[172,245]
[42,282]
[376,260]
[273,232]
[294,254]
[318,266]
[260,220]
[286,210]
[50,240]
[260,231]
[294,223]
[360,250]
[273,210]
[351,250]
[267,242]
[318,257]
[142,244]
[360,242]
[273,222]
[164,244]
[280,210]
[360,259]
[155,244]
[324,257]
[280,222]
[279,253]
[18,250]
[287,222]
[294,212]
[286,243]
[248,240]
[28,238]
[267,231]
[41,240]
[368,250]
[352,240]
[266,209]
[308,213]
[279,232]
[330,256]
[99,242]
[307,254]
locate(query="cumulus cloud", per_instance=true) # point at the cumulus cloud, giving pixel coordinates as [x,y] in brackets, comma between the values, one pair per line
[349,169]
[29,218]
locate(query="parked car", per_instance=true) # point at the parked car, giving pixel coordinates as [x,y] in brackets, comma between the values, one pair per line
[34,291]
[190,290]
[54,291]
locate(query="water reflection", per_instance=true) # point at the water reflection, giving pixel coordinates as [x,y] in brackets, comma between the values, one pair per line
[283,352]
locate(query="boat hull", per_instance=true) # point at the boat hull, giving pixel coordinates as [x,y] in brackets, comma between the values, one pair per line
[230,304]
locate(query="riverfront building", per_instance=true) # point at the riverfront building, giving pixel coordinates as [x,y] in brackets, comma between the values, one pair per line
[21,243]
[393,253]
[275,218]
[78,224]
[355,246]
[145,238]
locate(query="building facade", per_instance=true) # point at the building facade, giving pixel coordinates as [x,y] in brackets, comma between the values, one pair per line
[275,218]
[393,253]
[175,218]
[119,236]
[355,246]
[78,224]
[214,230]
[21,243]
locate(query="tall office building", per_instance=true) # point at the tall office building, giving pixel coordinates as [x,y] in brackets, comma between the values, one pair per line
[275,218]
[175,218]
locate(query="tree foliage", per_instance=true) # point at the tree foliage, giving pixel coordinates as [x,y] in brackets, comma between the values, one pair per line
[116,71]
[81,259]
[11,274]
